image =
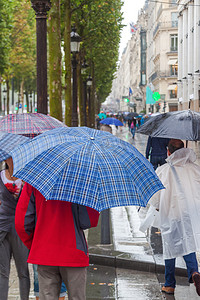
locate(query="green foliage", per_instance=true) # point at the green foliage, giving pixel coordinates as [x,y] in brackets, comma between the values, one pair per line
[23,42]
[100,24]
[6,13]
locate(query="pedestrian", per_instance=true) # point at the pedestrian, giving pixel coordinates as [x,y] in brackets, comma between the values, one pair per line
[129,125]
[53,231]
[133,128]
[105,127]
[98,122]
[10,243]
[156,150]
[179,212]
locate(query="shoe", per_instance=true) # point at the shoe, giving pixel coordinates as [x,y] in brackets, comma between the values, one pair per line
[168,290]
[196,280]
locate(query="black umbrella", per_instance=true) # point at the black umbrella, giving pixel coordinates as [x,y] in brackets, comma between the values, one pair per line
[131,115]
[184,125]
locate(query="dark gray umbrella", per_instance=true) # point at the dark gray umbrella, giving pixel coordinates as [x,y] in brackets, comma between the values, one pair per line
[184,125]
[131,115]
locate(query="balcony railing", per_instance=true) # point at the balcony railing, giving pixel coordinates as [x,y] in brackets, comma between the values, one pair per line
[162,74]
[163,25]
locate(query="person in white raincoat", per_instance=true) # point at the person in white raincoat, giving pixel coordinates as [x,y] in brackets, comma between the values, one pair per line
[179,212]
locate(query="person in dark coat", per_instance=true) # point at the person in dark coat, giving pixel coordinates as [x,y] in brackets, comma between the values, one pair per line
[10,243]
[156,150]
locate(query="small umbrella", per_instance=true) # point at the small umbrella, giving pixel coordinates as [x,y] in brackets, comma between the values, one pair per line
[112,121]
[9,142]
[28,124]
[102,115]
[86,166]
[184,125]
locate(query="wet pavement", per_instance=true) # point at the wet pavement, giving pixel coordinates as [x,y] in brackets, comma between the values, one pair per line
[131,266]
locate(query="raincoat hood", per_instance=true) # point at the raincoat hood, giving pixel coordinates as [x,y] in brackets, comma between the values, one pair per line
[181,157]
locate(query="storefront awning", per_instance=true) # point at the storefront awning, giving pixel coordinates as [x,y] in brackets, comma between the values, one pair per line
[172,87]
[172,62]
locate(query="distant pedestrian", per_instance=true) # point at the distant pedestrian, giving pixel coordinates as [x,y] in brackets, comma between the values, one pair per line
[156,150]
[133,128]
[105,127]
[179,212]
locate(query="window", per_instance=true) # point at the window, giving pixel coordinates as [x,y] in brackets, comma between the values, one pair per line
[174,42]
[174,70]
[173,94]
[174,19]
[173,2]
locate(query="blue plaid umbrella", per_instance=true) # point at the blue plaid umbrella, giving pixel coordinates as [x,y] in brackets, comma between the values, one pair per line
[86,166]
[8,142]
[112,121]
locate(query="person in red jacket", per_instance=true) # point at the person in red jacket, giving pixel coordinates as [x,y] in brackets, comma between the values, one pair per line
[53,231]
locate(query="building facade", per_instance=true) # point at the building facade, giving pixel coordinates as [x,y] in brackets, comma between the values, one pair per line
[162,54]
[189,54]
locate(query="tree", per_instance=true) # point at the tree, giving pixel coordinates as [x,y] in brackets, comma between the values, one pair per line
[55,59]
[22,57]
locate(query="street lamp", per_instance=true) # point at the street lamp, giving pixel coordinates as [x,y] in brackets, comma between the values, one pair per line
[83,73]
[75,46]
[4,100]
[89,84]
[41,8]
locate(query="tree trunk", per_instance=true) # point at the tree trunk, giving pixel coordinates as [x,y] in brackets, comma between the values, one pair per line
[22,94]
[55,58]
[92,117]
[68,68]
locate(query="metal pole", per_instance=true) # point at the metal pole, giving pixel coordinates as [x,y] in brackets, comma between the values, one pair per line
[85,102]
[89,106]
[41,8]
[105,227]
[74,100]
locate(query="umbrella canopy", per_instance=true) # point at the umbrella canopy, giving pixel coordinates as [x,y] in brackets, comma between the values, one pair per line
[184,125]
[112,121]
[86,166]
[28,124]
[131,115]
[102,116]
[8,142]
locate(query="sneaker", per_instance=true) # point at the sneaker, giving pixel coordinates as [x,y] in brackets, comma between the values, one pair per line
[196,280]
[168,290]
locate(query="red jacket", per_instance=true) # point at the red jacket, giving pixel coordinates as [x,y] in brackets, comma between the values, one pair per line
[53,230]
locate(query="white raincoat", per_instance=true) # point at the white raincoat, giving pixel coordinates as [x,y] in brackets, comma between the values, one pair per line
[179,204]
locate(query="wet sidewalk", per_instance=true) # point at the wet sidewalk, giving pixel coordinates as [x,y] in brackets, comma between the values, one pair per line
[131,266]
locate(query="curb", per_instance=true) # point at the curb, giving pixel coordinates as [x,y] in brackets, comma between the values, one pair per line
[117,262]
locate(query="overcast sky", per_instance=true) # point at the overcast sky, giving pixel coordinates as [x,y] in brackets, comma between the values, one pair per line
[130,13]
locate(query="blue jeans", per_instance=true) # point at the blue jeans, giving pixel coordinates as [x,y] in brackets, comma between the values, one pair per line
[191,264]
[133,131]
[36,284]
[157,161]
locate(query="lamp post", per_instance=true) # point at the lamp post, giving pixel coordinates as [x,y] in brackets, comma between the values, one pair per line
[83,72]
[75,46]
[41,8]
[4,100]
[89,84]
